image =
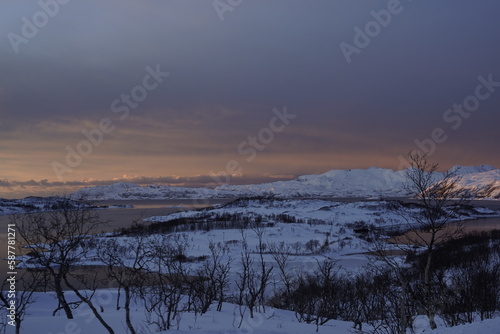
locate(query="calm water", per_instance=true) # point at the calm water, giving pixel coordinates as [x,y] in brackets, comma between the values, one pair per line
[123,217]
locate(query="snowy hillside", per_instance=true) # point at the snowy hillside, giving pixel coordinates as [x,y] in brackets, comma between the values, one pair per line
[473,180]
[31,204]
[462,170]
[335,183]
[328,212]
[121,191]
[321,230]
[274,321]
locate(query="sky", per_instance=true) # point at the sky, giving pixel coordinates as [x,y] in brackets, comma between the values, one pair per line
[187,92]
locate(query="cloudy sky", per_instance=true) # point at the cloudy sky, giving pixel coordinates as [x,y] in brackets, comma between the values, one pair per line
[347,91]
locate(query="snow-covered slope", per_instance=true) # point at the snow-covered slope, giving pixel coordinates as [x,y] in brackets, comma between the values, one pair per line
[273,321]
[474,180]
[120,191]
[33,204]
[335,183]
[462,170]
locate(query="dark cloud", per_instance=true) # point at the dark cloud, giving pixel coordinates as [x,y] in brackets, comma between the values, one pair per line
[5,183]
[226,77]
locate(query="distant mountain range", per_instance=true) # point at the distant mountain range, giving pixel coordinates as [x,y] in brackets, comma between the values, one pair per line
[371,182]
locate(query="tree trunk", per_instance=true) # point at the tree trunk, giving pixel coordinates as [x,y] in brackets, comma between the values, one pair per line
[60,297]
[402,313]
[428,289]
[221,299]
[18,325]
[118,297]
[432,321]
[91,305]
[127,309]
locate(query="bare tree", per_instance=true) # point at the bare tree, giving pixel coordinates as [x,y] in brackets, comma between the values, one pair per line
[85,288]
[281,255]
[27,284]
[252,282]
[56,239]
[211,280]
[316,297]
[162,294]
[472,286]
[362,306]
[242,278]
[221,274]
[391,302]
[126,263]
[265,270]
[439,199]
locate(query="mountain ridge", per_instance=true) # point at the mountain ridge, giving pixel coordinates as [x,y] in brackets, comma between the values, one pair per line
[368,182]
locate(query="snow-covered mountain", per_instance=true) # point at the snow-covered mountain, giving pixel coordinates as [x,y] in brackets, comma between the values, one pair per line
[482,179]
[335,183]
[462,170]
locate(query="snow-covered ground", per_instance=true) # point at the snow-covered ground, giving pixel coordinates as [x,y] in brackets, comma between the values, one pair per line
[273,321]
[319,222]
[335,183]
[315,229]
